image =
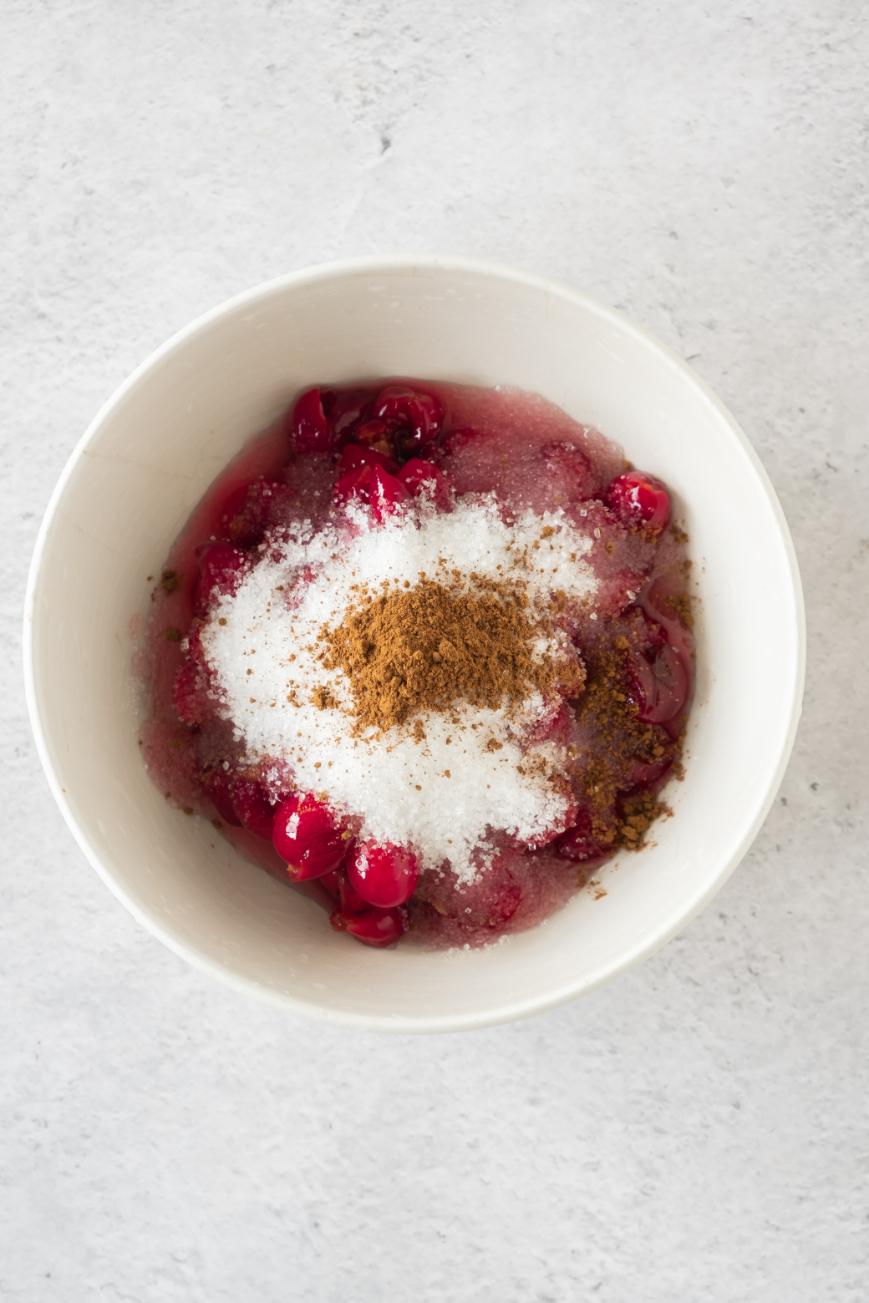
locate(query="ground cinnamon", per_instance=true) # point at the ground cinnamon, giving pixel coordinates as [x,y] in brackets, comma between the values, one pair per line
[435,644]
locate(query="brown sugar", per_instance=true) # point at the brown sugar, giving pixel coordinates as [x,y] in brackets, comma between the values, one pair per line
[434,645]
[683,608]
[609,711]
[638,814]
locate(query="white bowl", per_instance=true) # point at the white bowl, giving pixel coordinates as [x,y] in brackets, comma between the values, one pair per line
[148,457]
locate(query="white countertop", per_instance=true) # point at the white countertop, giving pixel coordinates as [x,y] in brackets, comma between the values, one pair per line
[698,1129]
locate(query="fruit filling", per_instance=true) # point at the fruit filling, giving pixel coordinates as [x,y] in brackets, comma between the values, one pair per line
[425,649]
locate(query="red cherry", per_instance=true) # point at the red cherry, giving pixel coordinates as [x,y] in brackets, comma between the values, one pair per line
[253,807]
[309,429]
[221,568]
[652,632]
[240,801]
[383,875]
[308,836]
[346,408]
[640,499]
[336,885]
[355,455]
[331,883]
[381,492]
[660,685]
[656,605]
[647,773]
[415,417]
[350,900]
[344,489]
[374,927]
[425,480]
[217,785]
[247,512]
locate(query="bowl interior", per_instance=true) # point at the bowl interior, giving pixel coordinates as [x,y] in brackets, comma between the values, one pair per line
[151,454]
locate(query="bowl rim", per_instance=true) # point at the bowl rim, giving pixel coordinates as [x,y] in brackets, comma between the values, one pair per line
[510,1009]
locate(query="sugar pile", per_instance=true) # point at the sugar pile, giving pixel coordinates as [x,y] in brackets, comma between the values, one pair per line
[470,775]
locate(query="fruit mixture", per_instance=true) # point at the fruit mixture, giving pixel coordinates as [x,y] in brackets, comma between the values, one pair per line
[426,650]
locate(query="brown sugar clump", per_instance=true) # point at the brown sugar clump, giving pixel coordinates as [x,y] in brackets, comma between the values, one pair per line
[431,646]
[619,819]
[639,813]
[682,607]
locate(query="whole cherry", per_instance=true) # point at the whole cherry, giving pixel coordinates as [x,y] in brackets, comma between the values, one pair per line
[640,499]
[383,874]
[373,927]
[381,492]
[415,416]
[308,835]
[425,480]
[308,427]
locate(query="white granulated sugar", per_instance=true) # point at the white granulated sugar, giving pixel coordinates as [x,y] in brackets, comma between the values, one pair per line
[443,795]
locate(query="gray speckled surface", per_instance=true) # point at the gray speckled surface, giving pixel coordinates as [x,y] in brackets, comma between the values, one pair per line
[696,1130]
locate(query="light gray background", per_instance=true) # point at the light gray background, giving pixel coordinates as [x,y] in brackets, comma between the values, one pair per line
[695,1131]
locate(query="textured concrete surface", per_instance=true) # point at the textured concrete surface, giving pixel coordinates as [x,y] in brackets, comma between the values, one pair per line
[695,1131]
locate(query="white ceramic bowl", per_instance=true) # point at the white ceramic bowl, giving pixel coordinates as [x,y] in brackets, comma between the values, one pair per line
[153,450]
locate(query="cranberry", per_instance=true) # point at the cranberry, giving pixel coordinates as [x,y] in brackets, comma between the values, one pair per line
[374,927]
[246,513]
[579,843]
[383,875]
[355,455]
[221,567]
[424,479]
[382,492]
[660,685]
[309,429]
[308,836]
[640,499]
[415,417]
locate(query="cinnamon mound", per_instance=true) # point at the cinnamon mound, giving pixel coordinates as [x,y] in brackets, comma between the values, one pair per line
[429,647]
